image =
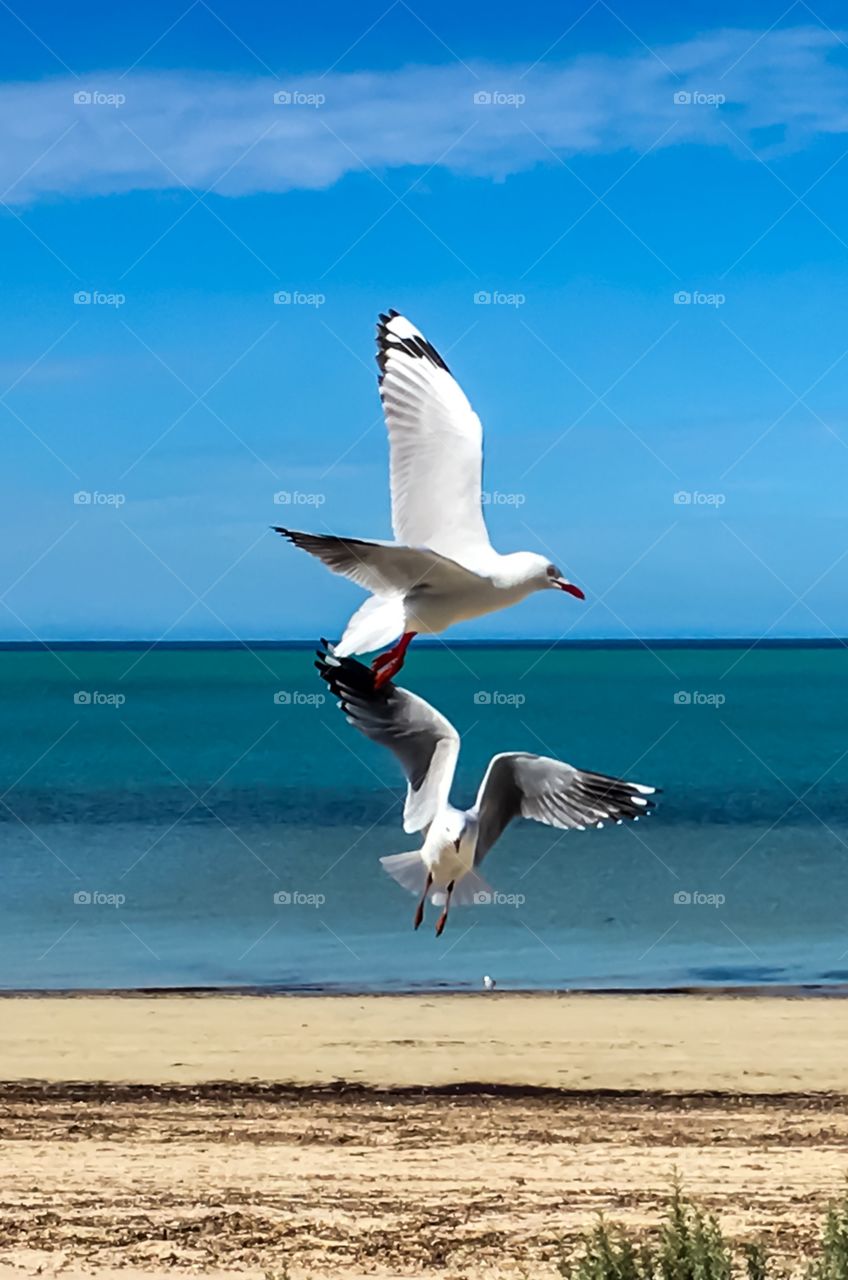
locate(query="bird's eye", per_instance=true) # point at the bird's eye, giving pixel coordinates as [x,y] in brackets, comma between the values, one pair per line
[553,571]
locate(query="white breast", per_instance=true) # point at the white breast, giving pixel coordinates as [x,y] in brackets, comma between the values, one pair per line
[429,612]
[444,861]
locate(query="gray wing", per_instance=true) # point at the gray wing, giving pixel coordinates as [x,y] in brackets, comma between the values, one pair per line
[519,785]
[384,568]
[425,743]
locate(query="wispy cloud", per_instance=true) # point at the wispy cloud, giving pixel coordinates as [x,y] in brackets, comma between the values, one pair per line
[226,133]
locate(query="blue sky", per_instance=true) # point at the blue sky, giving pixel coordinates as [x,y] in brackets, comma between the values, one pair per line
[582,200]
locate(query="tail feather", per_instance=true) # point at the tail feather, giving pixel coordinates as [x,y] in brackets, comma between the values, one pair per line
[408,869]
[471,891]
[376,623]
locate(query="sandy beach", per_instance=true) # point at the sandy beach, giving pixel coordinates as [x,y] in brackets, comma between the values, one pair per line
[695,1043]
[473,1135]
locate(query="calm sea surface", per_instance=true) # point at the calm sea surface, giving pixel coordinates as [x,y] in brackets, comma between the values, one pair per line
[205,817]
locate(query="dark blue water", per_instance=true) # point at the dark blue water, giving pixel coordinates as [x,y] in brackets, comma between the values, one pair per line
[148,825]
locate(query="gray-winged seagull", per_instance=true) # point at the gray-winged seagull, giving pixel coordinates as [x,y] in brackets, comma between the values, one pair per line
[516,784]
[442,567]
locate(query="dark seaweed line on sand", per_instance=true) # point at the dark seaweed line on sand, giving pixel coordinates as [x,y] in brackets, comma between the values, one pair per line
[224,1092]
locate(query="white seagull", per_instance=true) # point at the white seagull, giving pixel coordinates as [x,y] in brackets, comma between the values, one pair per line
[442,568]
[516,784]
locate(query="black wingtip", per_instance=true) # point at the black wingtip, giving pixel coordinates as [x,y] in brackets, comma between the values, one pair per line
[416,346]
[326,670]
[285,533]
[624,801]
[347,675]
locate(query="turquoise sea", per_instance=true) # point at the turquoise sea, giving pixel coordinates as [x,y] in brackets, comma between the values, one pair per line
[205,817]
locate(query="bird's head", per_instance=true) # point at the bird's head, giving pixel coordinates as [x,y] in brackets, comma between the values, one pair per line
[555,578]
[449,827]
[542,574]
[533,572]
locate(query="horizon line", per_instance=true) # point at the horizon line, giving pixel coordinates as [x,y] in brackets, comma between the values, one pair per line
[515,642]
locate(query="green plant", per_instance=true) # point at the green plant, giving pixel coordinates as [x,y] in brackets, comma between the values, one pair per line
[688,1246]
[756,1261]
[831,1262]
[609,1254]
[692,1246]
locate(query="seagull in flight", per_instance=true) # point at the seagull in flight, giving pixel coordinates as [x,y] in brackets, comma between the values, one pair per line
[516,785]
[441,568]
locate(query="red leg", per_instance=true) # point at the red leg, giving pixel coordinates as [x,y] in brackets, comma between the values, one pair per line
[443,918]
[388,664]
[419,914]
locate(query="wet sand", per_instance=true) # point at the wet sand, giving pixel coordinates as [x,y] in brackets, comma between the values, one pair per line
[475,1136]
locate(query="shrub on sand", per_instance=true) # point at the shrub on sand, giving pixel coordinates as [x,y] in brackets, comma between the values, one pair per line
[690,1246]
[831,1261]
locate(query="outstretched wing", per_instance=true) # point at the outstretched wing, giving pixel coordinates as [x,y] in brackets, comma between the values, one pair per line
[519,785]
[425,743]
[436,448]
[384,568]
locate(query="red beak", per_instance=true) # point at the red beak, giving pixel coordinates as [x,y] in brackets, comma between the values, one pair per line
[570,588]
